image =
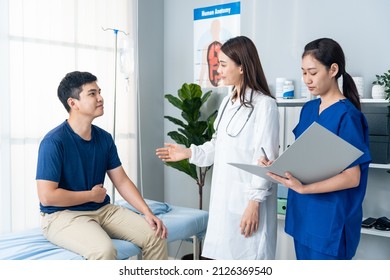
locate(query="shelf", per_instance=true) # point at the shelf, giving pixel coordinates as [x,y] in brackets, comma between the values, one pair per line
[370,100]
[380,166]
[373,231]
[300,101]
[291,102]
[368,231]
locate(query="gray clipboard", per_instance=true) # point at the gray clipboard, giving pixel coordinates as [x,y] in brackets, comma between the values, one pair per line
[316,155]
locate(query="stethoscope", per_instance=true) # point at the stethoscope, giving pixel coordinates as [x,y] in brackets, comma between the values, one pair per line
[223,111]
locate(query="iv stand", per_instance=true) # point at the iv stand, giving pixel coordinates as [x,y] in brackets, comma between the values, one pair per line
[115,77]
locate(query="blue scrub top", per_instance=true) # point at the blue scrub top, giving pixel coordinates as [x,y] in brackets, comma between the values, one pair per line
[318,220]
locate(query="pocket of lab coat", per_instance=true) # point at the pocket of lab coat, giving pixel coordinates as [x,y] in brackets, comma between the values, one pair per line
[238,198]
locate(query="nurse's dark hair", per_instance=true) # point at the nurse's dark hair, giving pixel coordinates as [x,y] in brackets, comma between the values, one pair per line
[328,51]
[71,86]
[243,52]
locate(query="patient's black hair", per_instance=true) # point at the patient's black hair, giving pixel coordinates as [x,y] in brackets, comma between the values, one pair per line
[71,86]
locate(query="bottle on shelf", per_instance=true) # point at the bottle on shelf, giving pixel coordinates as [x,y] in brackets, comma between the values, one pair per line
[279,87]
[288,90]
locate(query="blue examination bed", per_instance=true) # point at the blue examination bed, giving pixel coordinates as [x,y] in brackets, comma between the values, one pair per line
[182,223]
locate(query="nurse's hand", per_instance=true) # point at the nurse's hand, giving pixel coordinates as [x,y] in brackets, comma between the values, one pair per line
[250,219]
[173,152]
[289,181]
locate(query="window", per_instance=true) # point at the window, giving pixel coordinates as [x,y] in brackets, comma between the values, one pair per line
[45,39]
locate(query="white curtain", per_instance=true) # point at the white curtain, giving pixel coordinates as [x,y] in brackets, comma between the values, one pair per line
[41,41]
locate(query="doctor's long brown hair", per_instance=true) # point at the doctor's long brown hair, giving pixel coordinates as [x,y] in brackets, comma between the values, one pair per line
[243,52]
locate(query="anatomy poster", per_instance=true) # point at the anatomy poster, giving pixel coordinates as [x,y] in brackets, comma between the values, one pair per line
[212,27]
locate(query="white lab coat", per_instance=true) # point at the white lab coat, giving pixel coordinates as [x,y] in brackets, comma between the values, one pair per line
[232,188]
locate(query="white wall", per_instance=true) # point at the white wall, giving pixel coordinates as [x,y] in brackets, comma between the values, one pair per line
[281,28]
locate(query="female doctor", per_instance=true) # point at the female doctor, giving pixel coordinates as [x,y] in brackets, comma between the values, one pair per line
[242,213]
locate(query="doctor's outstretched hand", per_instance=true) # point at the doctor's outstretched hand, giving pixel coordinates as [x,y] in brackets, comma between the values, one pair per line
[173,152]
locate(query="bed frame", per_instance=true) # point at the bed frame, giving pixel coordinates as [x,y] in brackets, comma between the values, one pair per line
[182,223]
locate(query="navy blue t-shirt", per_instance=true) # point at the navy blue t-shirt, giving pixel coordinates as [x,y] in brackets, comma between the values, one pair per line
[76,164]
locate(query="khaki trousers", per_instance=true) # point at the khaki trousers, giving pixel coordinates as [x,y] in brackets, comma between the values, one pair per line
[89,233]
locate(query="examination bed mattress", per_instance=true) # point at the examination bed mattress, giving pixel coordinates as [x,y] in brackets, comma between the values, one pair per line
[183,224]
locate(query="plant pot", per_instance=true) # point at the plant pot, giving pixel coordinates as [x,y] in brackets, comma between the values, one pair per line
[378,92]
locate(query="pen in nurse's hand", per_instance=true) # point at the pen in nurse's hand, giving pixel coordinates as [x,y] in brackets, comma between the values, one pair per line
[265,155]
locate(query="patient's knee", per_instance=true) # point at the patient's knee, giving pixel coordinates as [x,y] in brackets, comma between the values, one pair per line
[155,248]
[106,251]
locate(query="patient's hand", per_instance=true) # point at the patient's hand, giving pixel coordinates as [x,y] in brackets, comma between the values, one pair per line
[98,193]
[157,225]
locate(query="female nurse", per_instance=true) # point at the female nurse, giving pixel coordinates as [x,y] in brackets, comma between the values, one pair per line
[325,217]
[242,211]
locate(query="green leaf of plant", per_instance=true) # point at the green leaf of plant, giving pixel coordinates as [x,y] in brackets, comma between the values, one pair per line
[185,166]
[206,96]
[196,91]
[176,121]
[197,128]
[383,80]
[184,92]
[174,101]
[178,138]
[210,125]
[191,109]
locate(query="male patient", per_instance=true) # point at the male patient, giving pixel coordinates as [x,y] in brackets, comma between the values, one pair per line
[73,160]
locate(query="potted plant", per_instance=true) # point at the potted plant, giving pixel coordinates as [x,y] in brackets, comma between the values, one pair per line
[193,130]
[381,88]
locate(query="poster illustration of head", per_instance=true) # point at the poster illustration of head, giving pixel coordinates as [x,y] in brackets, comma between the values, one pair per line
[213,26]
